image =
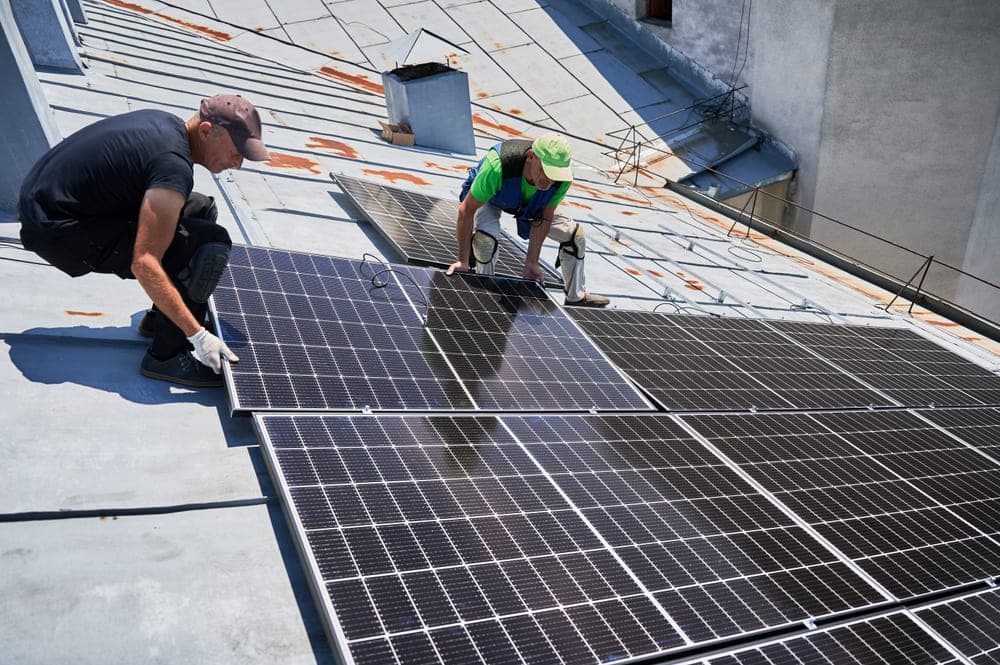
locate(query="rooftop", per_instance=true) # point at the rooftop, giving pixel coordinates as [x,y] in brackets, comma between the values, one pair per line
[138,521]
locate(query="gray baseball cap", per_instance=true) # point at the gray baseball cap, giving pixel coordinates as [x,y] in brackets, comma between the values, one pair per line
[241,120]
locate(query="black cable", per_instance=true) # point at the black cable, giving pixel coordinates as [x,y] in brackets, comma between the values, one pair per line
[386,269]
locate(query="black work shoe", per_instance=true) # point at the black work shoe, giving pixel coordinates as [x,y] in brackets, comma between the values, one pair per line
[182,369]
[147,326]
[588,300]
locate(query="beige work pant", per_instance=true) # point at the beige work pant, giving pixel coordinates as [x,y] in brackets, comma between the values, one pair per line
[564,231]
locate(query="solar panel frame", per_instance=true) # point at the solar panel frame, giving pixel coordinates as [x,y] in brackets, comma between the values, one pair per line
[319,333]
[850,481]
[427,238]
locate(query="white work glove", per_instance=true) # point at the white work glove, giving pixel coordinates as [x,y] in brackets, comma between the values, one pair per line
[210,350]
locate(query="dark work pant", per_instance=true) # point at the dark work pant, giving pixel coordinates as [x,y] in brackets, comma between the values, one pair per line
[78,248]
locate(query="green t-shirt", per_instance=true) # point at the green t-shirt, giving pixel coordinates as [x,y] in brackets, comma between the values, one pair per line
[489,179]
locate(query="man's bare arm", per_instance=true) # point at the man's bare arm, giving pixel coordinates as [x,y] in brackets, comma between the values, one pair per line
[539,232]
[463,232]
[157,224]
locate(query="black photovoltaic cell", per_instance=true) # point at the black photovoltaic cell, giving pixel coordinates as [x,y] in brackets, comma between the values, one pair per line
[718,555]
[971,624]
[895,639]
[905,366]
[886,488]
[422,228]
[515,349]
[693,363]
[439,540]
[320,333]
[314,332]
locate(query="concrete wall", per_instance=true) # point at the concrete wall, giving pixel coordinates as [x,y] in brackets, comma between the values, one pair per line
[981,254]
[909,115]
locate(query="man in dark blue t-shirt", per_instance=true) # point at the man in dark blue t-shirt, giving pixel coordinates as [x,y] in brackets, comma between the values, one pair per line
[116,197]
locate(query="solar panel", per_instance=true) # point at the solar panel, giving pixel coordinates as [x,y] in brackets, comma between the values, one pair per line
[696,363]
[321,333]
[717,554]
[900,363]
[315,333]
[421,228]
[970,623]
[888,640]
[515,349]
[439,540]
[887,489]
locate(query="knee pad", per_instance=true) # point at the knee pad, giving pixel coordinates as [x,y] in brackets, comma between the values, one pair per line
[204,270]
[484,247]
[576,245]
[200,206]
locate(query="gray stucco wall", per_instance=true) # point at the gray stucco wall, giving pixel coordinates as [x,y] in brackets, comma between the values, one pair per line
[981,254]
[912,96]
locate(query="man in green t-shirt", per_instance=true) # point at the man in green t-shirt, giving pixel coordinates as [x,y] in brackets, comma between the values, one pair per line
[528,180]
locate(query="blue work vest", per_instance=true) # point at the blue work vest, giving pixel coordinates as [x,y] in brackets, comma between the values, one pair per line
[513,155]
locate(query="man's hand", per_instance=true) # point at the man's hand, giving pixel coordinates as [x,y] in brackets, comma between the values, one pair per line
[210,350]
[458,266]
[534,272]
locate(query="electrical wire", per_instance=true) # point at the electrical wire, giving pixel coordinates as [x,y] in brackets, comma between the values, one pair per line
[387,269]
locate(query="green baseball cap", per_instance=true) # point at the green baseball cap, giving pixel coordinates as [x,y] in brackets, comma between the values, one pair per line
[553,151]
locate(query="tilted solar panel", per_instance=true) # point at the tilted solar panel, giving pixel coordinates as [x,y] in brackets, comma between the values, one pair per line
[422,228]
[886,488]
[438,540]
[692,363]
[320,333]
[314,333]
[900,363]
[970,623]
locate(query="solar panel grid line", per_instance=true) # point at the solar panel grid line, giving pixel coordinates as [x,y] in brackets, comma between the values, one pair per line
[914,543]
[969,623]
[781,505]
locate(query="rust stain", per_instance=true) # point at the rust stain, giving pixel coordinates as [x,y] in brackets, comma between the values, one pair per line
[215,34]
[353,79]
[575,204]
[480,120]
[633,271]
[441,167]
[129,5]
[480,94]
[337,147]
[282,161]
[516,112]
[627,213]
[656,273]
[694,284]
[73,312]
[396,176]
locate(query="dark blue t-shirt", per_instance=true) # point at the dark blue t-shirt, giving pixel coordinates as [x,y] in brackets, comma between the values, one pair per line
[101,173]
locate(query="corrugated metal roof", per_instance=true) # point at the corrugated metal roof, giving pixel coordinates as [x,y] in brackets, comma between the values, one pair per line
[193,562]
